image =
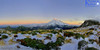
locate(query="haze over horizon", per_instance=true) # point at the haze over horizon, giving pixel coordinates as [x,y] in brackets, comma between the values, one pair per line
[70,23]
[42,11]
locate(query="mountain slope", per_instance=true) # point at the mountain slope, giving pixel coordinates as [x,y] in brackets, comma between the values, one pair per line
[90,22]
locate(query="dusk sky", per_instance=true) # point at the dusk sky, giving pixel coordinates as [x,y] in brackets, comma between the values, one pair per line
[43,11]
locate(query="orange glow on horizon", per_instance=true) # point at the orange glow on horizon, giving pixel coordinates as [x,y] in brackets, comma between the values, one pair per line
[74,22]
[37,22]
[21,22]
[14,23]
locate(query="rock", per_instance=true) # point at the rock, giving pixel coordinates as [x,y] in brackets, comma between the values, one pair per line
[91,29]
[0,38]
[82,44]
[15,35]
[47,37]
[18,46]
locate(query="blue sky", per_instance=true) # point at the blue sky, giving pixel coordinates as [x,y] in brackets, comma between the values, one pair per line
[42,11]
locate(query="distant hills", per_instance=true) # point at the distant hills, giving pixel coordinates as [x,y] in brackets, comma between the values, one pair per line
[55,23]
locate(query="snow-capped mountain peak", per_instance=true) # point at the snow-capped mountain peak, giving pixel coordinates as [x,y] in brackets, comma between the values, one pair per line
[56,22]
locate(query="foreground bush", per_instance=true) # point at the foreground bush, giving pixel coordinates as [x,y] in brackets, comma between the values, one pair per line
[14,32]
[92,40]
[50,35]
[82,44]
[38,44]
[4,36]
[60,41]
[33,33]
[69,34]
[89,33]
[54,45]
[77,36]
[54,32]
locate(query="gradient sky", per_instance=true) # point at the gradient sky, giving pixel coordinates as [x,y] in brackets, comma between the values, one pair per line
[42,11]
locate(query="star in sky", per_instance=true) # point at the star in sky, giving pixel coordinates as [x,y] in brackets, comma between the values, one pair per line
[97,3]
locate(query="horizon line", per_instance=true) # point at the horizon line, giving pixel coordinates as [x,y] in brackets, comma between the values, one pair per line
[36,23]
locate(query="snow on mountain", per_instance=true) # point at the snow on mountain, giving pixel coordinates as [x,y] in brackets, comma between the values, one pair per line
[56,22]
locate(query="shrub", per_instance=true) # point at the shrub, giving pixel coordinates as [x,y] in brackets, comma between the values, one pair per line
[54,45]
[38,44]
[50,45]
[89,33]
[4,36]
[58,35]
[54,32]
[23,33]
[4,31]
[82,44]
[50,35]
[92,40]
[14,32]
[38,35]
[77,36]
[34,33]
[22,28]
[69,34]
[91,48]
[83,36]
[59,41]
[61,30]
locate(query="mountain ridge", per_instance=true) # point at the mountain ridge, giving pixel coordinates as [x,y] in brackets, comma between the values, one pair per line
[90,22]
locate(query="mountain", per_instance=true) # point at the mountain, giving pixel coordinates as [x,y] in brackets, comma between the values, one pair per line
[55,22]
[90,22]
